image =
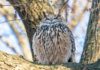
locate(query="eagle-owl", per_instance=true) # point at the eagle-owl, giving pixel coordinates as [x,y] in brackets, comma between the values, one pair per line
[53,42]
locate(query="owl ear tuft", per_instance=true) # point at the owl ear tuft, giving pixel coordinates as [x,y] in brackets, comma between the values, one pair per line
[62,8]
[45,15]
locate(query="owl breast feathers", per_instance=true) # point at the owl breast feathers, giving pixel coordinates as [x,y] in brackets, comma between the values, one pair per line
[53,42]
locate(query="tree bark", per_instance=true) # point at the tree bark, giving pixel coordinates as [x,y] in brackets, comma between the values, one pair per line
[91,51]
[12,62]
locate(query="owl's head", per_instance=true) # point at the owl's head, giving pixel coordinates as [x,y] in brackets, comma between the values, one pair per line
[50,19]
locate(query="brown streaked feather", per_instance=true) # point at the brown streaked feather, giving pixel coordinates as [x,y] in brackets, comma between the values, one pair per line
[53,42]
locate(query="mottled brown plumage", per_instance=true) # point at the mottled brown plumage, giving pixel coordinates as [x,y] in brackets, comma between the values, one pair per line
[53,42]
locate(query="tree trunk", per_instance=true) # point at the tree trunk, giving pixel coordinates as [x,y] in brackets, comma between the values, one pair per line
[91,51]
[31,12]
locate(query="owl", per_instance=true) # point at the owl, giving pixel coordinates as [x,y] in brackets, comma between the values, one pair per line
[53,42]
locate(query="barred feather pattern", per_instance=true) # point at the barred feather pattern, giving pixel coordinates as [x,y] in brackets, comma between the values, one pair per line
[53,42]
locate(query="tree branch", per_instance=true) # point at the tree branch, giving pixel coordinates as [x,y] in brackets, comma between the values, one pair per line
[10,62]
[91,51]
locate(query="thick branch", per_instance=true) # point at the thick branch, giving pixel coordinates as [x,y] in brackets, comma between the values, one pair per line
[31,12]
[12,62]
[91,51]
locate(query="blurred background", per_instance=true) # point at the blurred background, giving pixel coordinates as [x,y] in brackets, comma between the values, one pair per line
[13,37]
